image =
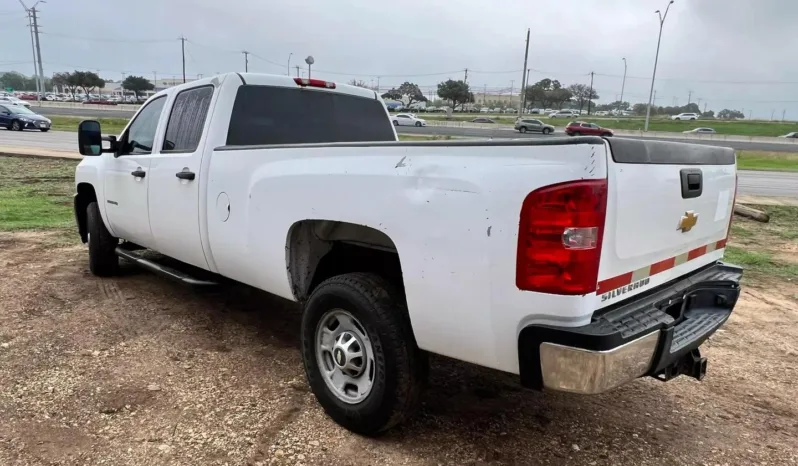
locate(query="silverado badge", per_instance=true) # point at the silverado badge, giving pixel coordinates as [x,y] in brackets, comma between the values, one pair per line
[688,221]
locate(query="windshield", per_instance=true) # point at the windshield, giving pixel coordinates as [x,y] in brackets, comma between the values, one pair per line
[20,110]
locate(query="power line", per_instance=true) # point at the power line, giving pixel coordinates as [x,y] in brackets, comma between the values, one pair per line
[105,39]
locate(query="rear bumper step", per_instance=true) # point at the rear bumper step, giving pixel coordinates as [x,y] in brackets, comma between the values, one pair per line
[657,335]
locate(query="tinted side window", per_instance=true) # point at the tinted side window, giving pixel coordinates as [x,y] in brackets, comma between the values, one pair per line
[184,130]
[141,133]
[280,115]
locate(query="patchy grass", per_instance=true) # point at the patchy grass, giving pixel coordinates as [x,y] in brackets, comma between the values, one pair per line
[109,125]
[761,160]
[36,194]
[761,248]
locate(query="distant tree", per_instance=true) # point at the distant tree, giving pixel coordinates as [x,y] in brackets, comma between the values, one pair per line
[709,114]
[639,109]
[409,93]
[393,94]
[691,108]
[88,80]
[559,97]
[582,94]
[359,83]
[60,79]
[456,92]
[545,93]
[727,114]
[137,84]
[14,80]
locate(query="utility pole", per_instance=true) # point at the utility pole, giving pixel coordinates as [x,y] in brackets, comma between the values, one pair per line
[655,97]
[656,59]
[705,107]
[465,79]
[689,97]
[288,66]
[38,52]
[246,61]
[623,84]
[750,112]
[485,95]
[297,71]
[183,50]
[155,79]
[522,93]
[378,84]
[772,112]
[783,113]
[590,94]
[32,48]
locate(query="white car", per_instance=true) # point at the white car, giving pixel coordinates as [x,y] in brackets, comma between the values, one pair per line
[11,100]
[537,257]
[564,114]
[407,119]
[685,116]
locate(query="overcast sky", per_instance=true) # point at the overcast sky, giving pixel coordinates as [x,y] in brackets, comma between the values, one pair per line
[731,53]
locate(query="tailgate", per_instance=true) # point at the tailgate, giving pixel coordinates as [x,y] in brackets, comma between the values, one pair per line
[668,211]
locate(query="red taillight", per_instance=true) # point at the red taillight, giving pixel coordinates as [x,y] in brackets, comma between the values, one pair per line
[559,238]
[304,82]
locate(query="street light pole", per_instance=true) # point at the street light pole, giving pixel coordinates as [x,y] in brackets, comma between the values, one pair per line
[656,58]
[623,85]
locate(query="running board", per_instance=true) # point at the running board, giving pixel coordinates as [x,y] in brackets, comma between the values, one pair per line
[162,270]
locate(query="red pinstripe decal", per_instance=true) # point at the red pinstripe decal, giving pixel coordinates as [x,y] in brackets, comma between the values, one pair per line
[655,268]
[662,266]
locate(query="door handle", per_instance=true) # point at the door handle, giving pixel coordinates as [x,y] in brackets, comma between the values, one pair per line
[185,175]
[139,173]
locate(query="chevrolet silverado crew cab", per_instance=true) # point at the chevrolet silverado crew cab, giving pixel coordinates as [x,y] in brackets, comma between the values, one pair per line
[578,264]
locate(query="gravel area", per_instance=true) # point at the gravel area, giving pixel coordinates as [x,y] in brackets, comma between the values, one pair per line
[136,370]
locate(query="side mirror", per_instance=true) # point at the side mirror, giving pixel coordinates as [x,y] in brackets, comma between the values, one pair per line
[90,139]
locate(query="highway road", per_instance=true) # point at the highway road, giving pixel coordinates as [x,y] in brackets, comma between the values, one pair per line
[755,183]
[461,132]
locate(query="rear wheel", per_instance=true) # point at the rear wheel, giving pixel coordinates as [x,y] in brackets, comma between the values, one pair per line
[395,123]
[103,260]
[522,129]
[418,124]
[360,356]
[16,126]
[546,130]
[576,133]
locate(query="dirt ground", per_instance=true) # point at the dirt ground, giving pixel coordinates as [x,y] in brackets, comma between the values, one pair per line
[136,370]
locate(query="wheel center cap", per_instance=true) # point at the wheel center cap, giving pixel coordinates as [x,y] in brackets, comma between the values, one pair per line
[340,357]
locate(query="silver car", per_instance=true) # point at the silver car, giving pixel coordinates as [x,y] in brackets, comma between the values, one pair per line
[527,124]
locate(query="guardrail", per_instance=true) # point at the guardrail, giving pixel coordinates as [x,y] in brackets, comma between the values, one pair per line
[706,137]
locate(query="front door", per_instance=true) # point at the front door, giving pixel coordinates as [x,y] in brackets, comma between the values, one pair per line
[127,177]
[174,200]
[5,116]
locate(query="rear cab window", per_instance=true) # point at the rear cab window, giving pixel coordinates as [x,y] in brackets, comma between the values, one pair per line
[189,112]
[281,115]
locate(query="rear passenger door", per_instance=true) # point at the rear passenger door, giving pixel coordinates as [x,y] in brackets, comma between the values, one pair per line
[175,179]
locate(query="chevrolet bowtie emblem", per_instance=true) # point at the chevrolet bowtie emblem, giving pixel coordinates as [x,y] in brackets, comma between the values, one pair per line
[688,221]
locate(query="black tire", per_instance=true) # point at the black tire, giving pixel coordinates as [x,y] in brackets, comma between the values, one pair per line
[522,129]
[546,130]
[395,123]
[418,124]
[400,366]
[606,135]
[103,261]
[15,126]
[44,130]
[576,133]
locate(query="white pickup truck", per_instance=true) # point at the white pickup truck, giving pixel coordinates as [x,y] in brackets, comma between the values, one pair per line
[579,264]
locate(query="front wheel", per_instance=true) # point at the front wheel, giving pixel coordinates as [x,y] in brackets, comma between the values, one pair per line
[576,133]
[395,123]
[103,260]
[418,124]
[16,126]
[606,135]
[359,353]
[546,130]
[522,129]
[44,130]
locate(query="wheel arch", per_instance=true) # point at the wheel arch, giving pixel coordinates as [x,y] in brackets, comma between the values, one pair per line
[84,196]
[319,249]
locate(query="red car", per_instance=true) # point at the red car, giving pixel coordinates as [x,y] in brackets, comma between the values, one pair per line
[580,128]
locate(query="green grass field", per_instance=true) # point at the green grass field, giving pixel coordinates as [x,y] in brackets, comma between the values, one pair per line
[768,161]
[109,125]
[36,194]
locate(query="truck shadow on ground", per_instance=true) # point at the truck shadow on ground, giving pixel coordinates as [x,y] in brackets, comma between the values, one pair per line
[483,412]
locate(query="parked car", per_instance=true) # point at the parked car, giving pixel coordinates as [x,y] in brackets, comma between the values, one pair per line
[564,114]
[19,118]
[509,110]
[11,100]
[602,113]
[790,135]
[685,116]
[524,125]
[530,257]
[407,119]
[580,128]
[482,120]
[484,110]
[699,131]
[535,111]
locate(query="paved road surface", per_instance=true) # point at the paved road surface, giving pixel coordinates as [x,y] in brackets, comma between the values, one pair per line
[751,182]
[468,132]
